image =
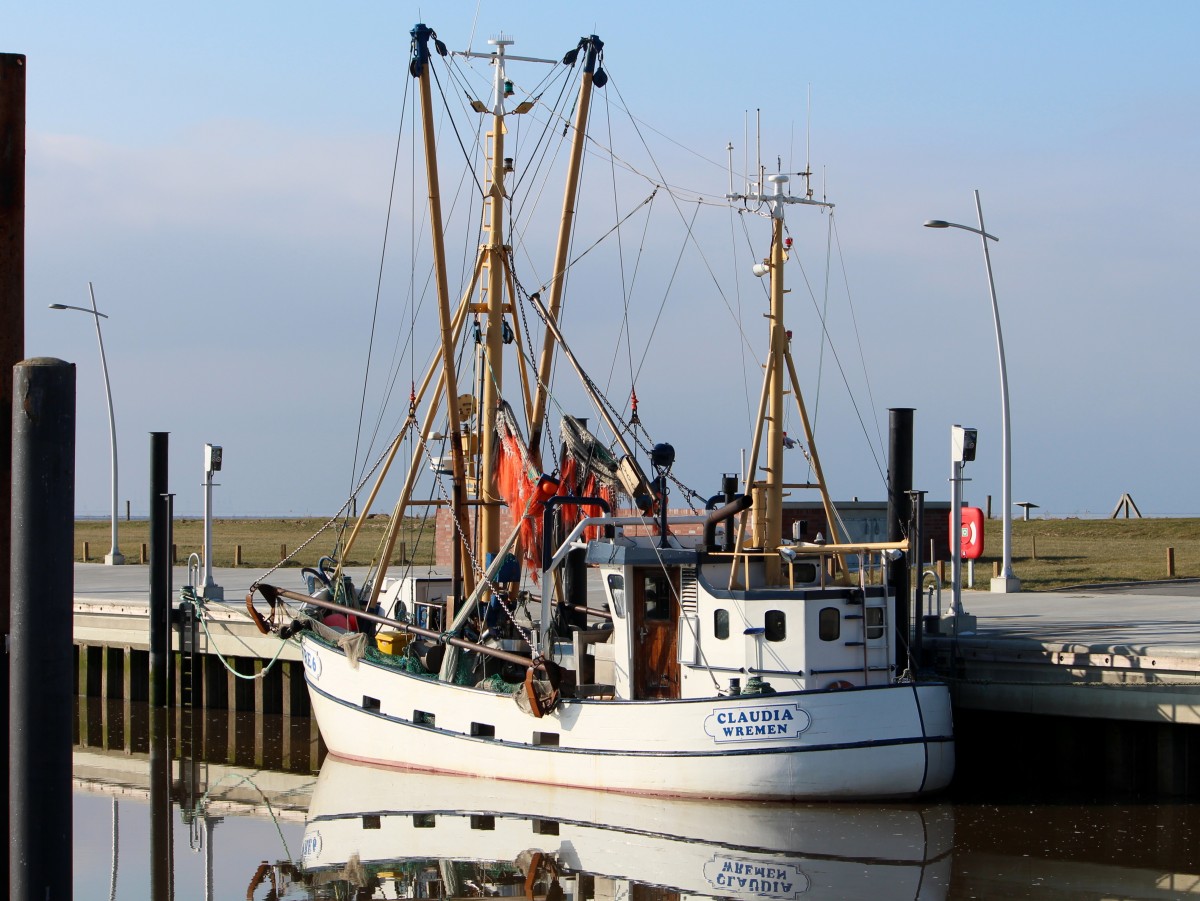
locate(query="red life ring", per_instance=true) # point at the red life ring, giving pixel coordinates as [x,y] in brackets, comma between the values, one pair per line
[838,685]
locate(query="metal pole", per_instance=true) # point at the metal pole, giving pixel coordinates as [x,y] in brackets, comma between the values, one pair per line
[42,690]
[1007,582]
[114,557]
[916,528]
[160,570]
[956,468]
[900,441]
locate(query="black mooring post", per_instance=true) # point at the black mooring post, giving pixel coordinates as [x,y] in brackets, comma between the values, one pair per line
[900,439]
[41,687]
[916,540]
[160,571]
[162,858]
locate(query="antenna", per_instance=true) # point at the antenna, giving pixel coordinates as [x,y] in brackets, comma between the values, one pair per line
[729,150]
[746,152]
[758,149]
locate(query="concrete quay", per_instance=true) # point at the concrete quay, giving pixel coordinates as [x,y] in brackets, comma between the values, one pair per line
[239,668]
[1128,652]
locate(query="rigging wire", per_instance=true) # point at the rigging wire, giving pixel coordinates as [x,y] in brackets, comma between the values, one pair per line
[378,289]
[858,336]
[841,370]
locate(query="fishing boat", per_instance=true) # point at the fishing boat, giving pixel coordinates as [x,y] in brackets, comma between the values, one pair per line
[390,834]
[586,636]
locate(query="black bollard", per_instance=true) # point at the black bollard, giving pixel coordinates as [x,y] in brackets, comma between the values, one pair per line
[162,857]
[160,572]
[41,687]
[900,451]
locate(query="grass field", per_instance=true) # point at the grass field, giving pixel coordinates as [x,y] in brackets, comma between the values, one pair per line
[262,542]
[1047,553]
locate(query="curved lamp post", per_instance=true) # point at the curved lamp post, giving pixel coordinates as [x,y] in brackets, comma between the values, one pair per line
[1007,582]
[114,557]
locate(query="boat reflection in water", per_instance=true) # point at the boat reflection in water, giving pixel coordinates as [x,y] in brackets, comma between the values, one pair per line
[391,834]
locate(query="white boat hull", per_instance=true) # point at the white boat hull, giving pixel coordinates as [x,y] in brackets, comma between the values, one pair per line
[875,742]
[704,848]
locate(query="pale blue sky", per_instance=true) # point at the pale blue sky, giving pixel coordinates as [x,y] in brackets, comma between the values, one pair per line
[221,174]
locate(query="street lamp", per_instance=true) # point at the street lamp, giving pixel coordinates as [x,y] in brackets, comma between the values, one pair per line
[114,557]
[1006,582]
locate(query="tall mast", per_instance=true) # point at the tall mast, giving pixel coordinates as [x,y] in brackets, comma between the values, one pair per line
[780,372]
[493,282]
[768,521]
[491,352]
[592,46]
[419,67]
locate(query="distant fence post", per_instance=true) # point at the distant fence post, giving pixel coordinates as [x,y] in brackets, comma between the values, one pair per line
[1170,563]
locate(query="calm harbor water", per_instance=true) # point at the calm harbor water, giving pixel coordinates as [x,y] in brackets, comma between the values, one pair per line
[255,819]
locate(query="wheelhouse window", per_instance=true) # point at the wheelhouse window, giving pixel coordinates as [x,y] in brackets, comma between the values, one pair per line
[829,624]
[721,624]
[874,622]
[616,591]
[656,597]
[776,625]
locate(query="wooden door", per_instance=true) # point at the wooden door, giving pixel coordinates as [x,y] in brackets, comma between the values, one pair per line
[655,623]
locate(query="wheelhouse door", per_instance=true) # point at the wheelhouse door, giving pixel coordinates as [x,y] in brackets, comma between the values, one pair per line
[655,623]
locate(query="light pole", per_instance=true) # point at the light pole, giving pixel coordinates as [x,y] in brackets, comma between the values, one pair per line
[114,557]
[1006,582]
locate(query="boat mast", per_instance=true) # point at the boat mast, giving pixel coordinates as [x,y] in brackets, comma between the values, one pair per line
[592,46]
[768,519]
[495,278]
[419,68]
[491,352]
[780,372]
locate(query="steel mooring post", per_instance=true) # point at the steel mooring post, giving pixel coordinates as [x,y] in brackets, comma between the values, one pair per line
[900,463]
[160,572]
[41,687]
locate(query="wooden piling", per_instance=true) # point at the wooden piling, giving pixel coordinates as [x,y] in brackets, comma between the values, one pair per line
[1170,563]
[1034,541]
[143,553]
[283,552]
[237,555]
[87,552]
[40,646]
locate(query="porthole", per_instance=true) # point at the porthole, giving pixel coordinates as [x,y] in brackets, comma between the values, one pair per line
[829,624]
[721,624]
[776,623]
[874,622]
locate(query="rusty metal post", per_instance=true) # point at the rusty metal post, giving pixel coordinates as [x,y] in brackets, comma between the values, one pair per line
[42,685]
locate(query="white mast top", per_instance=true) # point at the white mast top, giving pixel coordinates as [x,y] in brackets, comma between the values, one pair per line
[498,58]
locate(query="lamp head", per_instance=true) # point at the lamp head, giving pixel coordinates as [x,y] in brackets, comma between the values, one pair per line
[58,306]
[936,223]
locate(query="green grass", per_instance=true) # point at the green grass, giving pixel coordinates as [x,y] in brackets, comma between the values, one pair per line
[1047,553]
[1056,553]
[262,541]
